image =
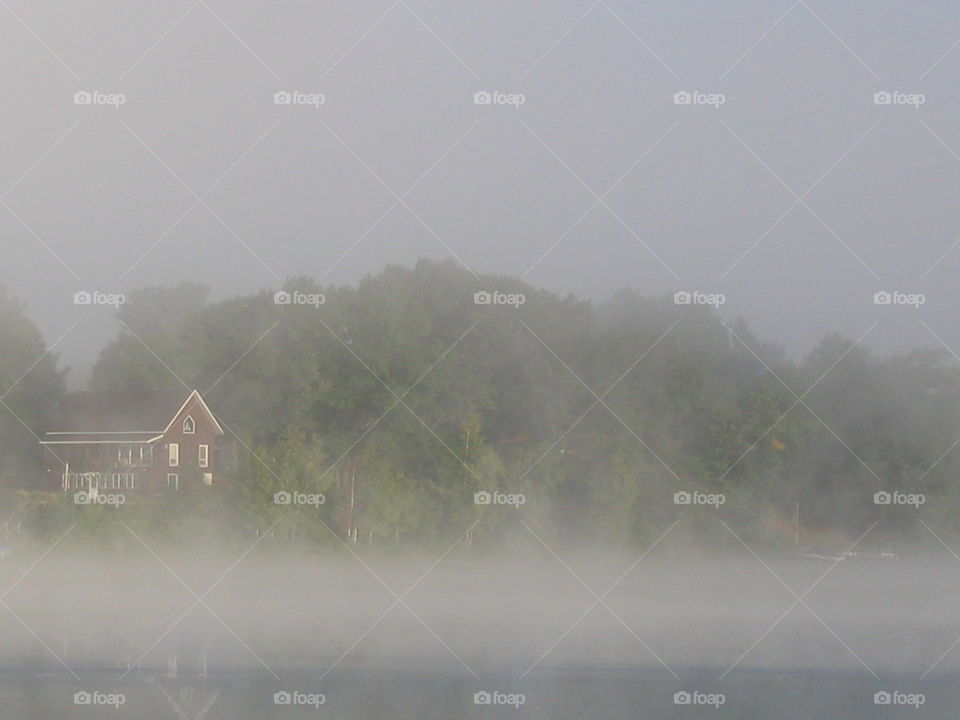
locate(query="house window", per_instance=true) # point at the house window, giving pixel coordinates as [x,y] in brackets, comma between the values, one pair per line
[173,480]
[189,426]
[203,455]
[174,459]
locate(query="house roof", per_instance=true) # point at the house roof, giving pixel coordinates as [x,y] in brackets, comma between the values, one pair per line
[114,416]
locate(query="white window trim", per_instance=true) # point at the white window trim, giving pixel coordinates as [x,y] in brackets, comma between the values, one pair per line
[203,455]
[193,424]
[173,479]
[173,455]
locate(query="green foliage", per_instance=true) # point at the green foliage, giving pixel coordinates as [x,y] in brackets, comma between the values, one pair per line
[399,399]
[30,386]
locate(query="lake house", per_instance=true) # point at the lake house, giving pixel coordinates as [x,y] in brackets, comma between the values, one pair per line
[108,440]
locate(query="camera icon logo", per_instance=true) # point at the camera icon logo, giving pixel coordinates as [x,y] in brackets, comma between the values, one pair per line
[882,298]
[82,98]
[482,298]
[882,697]
[483,97]
[82,698]
[482,498]
[682,698]
[81,498]
[682,98]
[882,98]
[282,98]
[682,298]
[82,298]
[282,297]
[682,498]
[282,498]
[282,697]
[482,698]
[882,498]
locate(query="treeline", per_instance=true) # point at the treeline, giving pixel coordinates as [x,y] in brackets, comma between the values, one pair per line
[402,397]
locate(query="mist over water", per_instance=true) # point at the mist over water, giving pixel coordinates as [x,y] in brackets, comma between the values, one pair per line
[561,633]
[549,359]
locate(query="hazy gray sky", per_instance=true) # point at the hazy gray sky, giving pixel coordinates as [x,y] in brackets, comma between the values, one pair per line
[798,198]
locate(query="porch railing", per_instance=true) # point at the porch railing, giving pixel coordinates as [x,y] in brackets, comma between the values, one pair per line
[101,480]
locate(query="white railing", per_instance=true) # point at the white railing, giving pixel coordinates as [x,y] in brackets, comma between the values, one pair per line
[101,481]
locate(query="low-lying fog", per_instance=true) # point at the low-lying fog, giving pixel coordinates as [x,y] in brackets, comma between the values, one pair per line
[507,615]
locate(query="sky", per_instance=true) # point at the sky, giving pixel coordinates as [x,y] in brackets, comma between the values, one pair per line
[787,184]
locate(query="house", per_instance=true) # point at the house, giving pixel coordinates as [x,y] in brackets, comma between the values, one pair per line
[109,440]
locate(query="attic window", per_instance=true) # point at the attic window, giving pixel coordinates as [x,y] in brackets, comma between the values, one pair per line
[189,426]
